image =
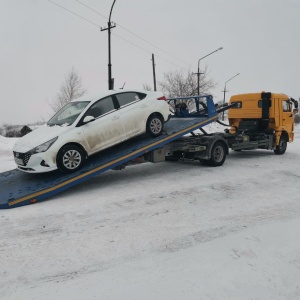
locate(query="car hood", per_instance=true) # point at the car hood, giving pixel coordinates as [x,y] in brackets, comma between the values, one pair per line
[39,136]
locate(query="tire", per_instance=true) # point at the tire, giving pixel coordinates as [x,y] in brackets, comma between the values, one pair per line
[155,125]
[70,158]
[281,148]
[218,154]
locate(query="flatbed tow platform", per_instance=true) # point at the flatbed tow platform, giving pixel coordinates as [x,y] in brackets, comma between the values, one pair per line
[18,188]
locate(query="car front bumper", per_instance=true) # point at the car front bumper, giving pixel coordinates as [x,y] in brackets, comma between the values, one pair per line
[35,163]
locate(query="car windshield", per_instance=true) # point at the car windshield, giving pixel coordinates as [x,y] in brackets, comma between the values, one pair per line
[68,114]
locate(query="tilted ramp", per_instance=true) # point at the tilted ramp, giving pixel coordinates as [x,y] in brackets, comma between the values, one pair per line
[18,188]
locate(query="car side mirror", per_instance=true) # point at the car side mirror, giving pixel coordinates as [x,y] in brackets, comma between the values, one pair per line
[88,119]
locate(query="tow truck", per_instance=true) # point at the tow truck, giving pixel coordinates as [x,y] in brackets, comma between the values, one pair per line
[256,121]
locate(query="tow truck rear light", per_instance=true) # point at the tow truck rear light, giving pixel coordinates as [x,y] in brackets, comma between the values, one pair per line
[162,98]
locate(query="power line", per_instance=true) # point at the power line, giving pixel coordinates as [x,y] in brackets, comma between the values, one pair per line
[73,13]
[97,12]
[148,51]
[91,22]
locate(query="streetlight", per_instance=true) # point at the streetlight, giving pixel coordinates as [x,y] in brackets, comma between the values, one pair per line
[109,27]
[198,73]
[226,92]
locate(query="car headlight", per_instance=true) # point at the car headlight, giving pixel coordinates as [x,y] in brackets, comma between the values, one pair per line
[43,147]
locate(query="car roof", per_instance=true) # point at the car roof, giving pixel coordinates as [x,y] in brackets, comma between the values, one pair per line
[98,95]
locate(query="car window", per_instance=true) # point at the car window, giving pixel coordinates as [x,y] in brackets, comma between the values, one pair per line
[127,98]
[68,114]
[101,107]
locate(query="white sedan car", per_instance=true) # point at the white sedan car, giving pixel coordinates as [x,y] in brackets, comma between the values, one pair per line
[88,125]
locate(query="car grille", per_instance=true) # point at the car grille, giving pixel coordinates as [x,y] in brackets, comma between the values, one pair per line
[24,156]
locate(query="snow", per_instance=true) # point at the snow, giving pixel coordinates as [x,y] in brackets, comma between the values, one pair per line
[6,157]
[173,230]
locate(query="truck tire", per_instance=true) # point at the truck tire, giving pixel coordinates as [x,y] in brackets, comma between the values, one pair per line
[281,148]
[70,158]
[218,155]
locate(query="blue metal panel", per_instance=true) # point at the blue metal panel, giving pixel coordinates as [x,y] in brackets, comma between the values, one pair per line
[206,102]
[18,188]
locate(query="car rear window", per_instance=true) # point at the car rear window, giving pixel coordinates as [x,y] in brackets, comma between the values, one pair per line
[127,98]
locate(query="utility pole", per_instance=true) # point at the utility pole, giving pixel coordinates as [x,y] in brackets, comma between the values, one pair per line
[198,79]
[198,73]
[154,76]
[109,27]
[225,91]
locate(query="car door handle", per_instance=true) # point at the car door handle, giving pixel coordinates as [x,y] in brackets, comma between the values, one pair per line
[116,118]
[144,105]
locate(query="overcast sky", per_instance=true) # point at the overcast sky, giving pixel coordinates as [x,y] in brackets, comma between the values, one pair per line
[40,42]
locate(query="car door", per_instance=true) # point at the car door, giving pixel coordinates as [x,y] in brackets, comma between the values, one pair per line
[133,112]
[105,130]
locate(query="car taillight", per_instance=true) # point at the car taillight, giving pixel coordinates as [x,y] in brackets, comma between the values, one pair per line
[162,98]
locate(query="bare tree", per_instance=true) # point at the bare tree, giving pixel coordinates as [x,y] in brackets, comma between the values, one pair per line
[180,84]
[184,84]
[147,87]
[70,89]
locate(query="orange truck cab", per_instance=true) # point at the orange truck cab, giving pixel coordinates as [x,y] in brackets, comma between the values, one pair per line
[262,120]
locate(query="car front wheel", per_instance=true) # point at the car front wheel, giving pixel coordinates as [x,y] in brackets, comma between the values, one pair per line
[154,125]
[70,158]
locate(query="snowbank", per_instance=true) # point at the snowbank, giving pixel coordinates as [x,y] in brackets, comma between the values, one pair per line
[6,155]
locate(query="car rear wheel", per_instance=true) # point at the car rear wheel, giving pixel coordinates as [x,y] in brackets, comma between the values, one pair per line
[155,125]
[70,158]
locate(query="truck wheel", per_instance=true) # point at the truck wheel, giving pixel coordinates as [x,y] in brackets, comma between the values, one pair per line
[70,158]
[154,125]
[218,155]
[281,148]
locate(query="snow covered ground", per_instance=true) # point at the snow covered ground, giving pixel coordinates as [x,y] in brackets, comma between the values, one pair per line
[161,231]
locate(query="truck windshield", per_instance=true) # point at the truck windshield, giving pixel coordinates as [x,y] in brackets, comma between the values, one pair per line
[68,114]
